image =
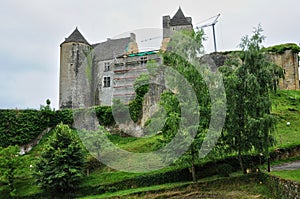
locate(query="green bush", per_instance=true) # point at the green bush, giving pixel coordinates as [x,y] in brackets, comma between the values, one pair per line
[224,170]
[104,115]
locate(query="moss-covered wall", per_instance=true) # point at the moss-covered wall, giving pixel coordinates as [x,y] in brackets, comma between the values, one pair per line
[285,55]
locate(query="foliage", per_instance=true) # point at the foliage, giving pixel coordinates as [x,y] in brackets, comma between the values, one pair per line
[9,163]
[280,49]
[120,111]
[141,87]
[104,115]
[224,170]
[248,86]
[94,141]
[185,46]
[188,44]
[19,127]
[61,166]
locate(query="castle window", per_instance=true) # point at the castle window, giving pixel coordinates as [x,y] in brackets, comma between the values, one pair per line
[106,82]
[143,60]
[106,66]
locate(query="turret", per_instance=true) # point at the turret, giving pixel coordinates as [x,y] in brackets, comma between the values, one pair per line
[178,22]
[73,53]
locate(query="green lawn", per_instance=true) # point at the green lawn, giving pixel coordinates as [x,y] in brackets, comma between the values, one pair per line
[235,187]
[289,175]
[286,108]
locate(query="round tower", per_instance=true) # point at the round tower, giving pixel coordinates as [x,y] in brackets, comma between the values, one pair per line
[73,53]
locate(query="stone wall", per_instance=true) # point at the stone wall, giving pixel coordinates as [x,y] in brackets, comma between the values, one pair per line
[288,60]
[290,63]
[282,188]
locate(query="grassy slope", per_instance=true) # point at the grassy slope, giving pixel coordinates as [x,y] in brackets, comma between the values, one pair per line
[286,107]
[235,187]
[289,175]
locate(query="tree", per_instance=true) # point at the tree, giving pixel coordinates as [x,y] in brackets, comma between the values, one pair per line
[61,166]
[248,85]
[47,114]
[96,143]
[182,56]
[10,161]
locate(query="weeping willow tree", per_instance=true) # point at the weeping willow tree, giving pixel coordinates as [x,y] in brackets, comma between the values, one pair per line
[249,124]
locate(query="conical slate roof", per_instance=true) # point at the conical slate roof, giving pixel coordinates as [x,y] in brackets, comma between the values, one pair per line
[76,36]
[179,19]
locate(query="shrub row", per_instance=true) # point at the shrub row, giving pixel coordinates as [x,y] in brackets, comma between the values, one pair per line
[177,175]
[19,127]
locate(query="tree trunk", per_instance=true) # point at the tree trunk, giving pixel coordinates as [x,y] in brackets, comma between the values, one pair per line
[241,162]
[269,169]
[194,173]
[193,153]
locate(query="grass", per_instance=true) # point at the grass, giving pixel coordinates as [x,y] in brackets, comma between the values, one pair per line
[289,175]
[212,186]
[133,144]
[137,190]
[286,108]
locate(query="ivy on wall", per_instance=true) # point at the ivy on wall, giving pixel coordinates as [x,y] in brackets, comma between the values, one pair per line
[19,127]
[141,87]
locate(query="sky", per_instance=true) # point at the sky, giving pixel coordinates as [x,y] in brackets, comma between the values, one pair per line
[31,32]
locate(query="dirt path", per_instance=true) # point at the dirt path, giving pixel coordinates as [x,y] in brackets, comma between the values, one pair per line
[287,166]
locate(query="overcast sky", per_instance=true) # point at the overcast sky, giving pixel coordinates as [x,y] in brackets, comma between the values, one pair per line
[32,30]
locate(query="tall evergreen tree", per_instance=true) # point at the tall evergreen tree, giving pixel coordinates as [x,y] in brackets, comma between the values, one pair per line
[61,166]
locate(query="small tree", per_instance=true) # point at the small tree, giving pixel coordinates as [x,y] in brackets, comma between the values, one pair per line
[61,166]
[47,114]
[9,162]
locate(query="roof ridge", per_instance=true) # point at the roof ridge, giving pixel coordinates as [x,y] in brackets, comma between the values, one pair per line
[179,18]
[76,36]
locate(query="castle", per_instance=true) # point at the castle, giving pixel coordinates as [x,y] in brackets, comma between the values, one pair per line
[95,74]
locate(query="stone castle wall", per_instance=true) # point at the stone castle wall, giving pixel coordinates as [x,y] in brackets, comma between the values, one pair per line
[289,61]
